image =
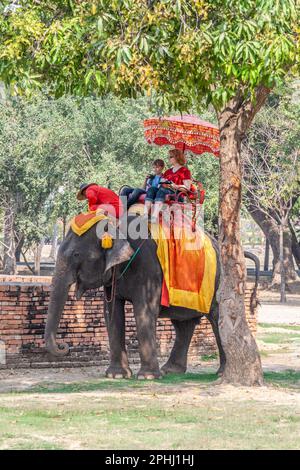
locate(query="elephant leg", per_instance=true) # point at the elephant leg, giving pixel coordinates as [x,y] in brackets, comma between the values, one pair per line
[213,317]
[146,318]
[177,362]
[115,323]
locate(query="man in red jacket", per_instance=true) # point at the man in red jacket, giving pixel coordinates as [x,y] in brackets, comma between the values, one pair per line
[101,198]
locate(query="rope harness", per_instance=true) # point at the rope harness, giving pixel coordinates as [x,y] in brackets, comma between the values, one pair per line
[132,258]
[112,298]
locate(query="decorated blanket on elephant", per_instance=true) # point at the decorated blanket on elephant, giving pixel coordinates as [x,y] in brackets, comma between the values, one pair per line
[189,265]
[81,223]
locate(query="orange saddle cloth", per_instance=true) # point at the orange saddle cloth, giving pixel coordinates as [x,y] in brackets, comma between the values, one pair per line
[81,223]
[189,265]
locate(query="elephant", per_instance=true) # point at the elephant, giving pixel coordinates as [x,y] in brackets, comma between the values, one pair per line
[83,261]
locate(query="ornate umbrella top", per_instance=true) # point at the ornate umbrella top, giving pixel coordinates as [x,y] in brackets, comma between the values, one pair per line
[186,132]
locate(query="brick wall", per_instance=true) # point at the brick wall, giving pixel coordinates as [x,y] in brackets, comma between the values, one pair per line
[23,308]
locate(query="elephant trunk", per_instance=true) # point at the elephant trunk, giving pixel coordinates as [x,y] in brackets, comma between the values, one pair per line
[61,283]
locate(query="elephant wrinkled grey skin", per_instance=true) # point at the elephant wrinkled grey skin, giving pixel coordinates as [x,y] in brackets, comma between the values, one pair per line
[81,260]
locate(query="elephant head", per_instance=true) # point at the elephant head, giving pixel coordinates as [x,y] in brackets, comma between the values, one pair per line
[83,261]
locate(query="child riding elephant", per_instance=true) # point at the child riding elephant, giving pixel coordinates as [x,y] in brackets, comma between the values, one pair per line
[176,177]
[150,187]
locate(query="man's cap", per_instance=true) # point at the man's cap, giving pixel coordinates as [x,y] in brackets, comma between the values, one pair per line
[80,196]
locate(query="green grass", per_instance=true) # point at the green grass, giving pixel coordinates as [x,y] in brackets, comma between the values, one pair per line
[204,378]
[281,341]
[276,325]
[264,354]
[99,385]
[179,411]
[209,357]
[147,421]
[119,384]
[286,378]
[33,445]
[280,338]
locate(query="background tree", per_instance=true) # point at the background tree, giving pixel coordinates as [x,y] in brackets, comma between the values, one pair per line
[49,147]
[273,185]
[294,225]
[229,52]
[271,161]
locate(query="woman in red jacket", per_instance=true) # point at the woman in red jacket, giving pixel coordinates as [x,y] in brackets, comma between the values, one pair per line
[174,178]
[101,198]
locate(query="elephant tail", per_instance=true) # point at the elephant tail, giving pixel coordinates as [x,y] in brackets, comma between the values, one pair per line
[254,302]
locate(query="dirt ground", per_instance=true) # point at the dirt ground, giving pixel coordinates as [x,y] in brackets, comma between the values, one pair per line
[79,409]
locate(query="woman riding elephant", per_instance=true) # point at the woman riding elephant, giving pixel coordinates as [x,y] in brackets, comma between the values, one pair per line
[176,177]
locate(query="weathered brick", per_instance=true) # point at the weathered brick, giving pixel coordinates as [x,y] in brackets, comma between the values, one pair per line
[23,309]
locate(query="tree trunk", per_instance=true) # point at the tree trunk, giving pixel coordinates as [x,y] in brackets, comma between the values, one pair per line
[37,257]
[282,271]
[54,242]
[243,365]
[19,245]
[9,258]
[267,255]
[295,245]
[272,233]
[64,220]
[289,271]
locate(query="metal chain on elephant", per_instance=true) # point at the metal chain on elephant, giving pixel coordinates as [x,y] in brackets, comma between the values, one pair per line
[113,291]
[114,279]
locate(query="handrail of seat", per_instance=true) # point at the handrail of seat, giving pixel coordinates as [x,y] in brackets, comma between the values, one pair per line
[122,187]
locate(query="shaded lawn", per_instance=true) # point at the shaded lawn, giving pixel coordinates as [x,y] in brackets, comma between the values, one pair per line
[287,378]
[134,414]
[139,416]
[119,384]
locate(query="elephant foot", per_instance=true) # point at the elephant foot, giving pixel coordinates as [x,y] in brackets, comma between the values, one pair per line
[115,372]
[173,369]
[148,374]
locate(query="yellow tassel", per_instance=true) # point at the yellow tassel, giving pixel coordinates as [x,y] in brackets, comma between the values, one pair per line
[106,241]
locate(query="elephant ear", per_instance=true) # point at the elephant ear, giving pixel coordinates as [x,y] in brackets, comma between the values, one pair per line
[119,253]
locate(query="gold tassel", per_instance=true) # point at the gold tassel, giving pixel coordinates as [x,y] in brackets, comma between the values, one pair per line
[106,241]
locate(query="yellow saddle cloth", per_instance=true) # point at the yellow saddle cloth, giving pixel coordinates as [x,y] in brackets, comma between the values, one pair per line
[81,223]
[187,258]
[189,265]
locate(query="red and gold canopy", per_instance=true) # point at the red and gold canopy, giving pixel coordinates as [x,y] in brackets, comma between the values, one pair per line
[186,132]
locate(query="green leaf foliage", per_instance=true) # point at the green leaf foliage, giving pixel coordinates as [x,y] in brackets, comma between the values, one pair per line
[184,51]
[49,147]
